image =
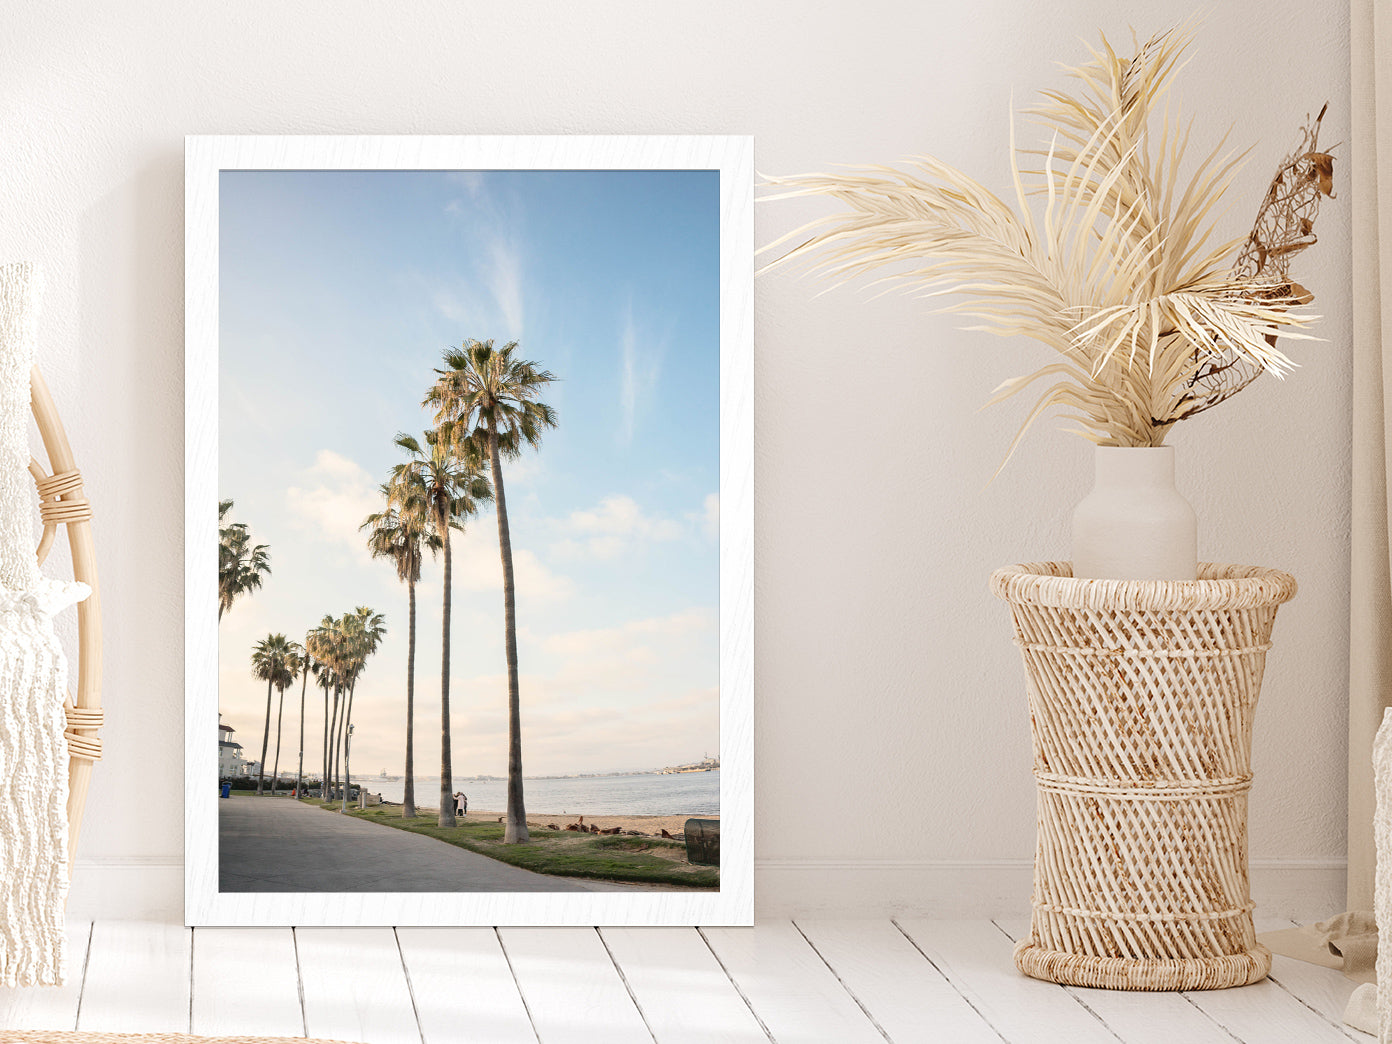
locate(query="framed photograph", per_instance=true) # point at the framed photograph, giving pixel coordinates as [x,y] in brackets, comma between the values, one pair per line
[469,531]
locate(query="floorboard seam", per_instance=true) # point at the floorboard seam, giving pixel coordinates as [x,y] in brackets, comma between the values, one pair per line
[738,989]
[1338,1026]
[1199,1008]
[850,992]
[1318,1014]
[1069,990]
[410,987]
[624,979]
[299,979]
[948,979]
[1085,1006]
[86,960]
[521,993]
[192,942]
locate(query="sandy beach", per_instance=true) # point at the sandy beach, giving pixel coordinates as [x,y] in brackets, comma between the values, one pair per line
[653,825]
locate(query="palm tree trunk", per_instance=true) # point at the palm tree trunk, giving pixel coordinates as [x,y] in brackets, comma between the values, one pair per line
[338,742]
[408,798]
[338,747]
[446,765]
[324,776]
[280,717]
[333,748]
[347,730]
[515,832]
[265,742]
[299,773]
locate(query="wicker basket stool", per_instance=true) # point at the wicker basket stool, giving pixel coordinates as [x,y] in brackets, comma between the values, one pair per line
[1141,696]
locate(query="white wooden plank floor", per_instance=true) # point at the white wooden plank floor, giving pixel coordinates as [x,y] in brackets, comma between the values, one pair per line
[816,981]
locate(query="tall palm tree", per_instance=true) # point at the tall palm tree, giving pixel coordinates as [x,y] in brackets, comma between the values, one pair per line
[292,671]
[343,666]
[488,398]
[306,669]
[324,677]
[363,631]
[401,532]
[339,662]
[324,644]
[341,646]
[270,662]
[453,486]
[241,564]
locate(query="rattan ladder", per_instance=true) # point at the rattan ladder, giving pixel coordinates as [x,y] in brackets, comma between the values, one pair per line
[62,502]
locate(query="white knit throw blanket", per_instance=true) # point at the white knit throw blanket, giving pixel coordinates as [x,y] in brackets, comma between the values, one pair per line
[33,681]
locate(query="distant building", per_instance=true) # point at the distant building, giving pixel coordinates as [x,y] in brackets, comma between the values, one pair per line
[230,763]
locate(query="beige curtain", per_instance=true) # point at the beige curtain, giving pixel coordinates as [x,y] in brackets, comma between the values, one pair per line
[1370,631]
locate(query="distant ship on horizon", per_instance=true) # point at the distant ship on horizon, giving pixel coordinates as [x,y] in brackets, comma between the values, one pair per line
[706,764]
[389,779]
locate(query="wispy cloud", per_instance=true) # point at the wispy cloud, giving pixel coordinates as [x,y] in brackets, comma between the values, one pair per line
[504,278]
[471,181]
[710,516]
[494,228]
[336,494]
[453,303]
[477,567]
[612,527]
[490,298]
[632,641]
[640,362]
[628,387]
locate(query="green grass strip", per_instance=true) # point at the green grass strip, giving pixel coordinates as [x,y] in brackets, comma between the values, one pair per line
[561,853]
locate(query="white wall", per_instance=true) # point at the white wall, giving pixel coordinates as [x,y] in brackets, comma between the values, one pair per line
[893,757]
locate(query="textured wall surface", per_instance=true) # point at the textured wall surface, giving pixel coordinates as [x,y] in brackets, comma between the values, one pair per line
[892,737]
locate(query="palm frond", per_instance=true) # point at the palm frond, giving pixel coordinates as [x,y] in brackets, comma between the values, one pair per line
[1108,253]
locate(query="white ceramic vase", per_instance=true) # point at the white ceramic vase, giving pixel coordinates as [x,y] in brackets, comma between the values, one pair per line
[1134,525]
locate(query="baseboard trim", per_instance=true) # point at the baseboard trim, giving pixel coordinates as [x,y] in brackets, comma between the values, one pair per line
[127,890]
[1285,888]
[1301,889]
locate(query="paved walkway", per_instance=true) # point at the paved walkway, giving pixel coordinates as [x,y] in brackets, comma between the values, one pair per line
[280,845]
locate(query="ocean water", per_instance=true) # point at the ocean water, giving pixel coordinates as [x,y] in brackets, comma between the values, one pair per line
[684,794]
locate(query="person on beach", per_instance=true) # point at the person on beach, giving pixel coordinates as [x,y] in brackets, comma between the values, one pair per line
[461,803]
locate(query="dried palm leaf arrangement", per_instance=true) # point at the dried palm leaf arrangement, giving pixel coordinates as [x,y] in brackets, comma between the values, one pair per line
[1154,321]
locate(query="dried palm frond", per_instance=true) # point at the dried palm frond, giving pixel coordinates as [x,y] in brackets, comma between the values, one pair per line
[1118,274]
[1285,226]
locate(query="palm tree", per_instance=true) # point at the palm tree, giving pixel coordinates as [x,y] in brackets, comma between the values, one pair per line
[240,563]
[401,533]
[340,648]
[342,660]
[453,485]
[489,399]
[306,669]
[323,674]
[270,662]
[363,631]
[292,670]
[338,652]
[324,644]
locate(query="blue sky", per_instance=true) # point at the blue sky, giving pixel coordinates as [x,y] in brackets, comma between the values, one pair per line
[339,291]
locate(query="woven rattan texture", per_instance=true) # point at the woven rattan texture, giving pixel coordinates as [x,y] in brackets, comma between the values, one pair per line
[1141,698]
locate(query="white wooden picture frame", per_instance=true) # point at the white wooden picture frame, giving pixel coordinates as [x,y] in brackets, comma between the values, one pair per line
[206,158]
